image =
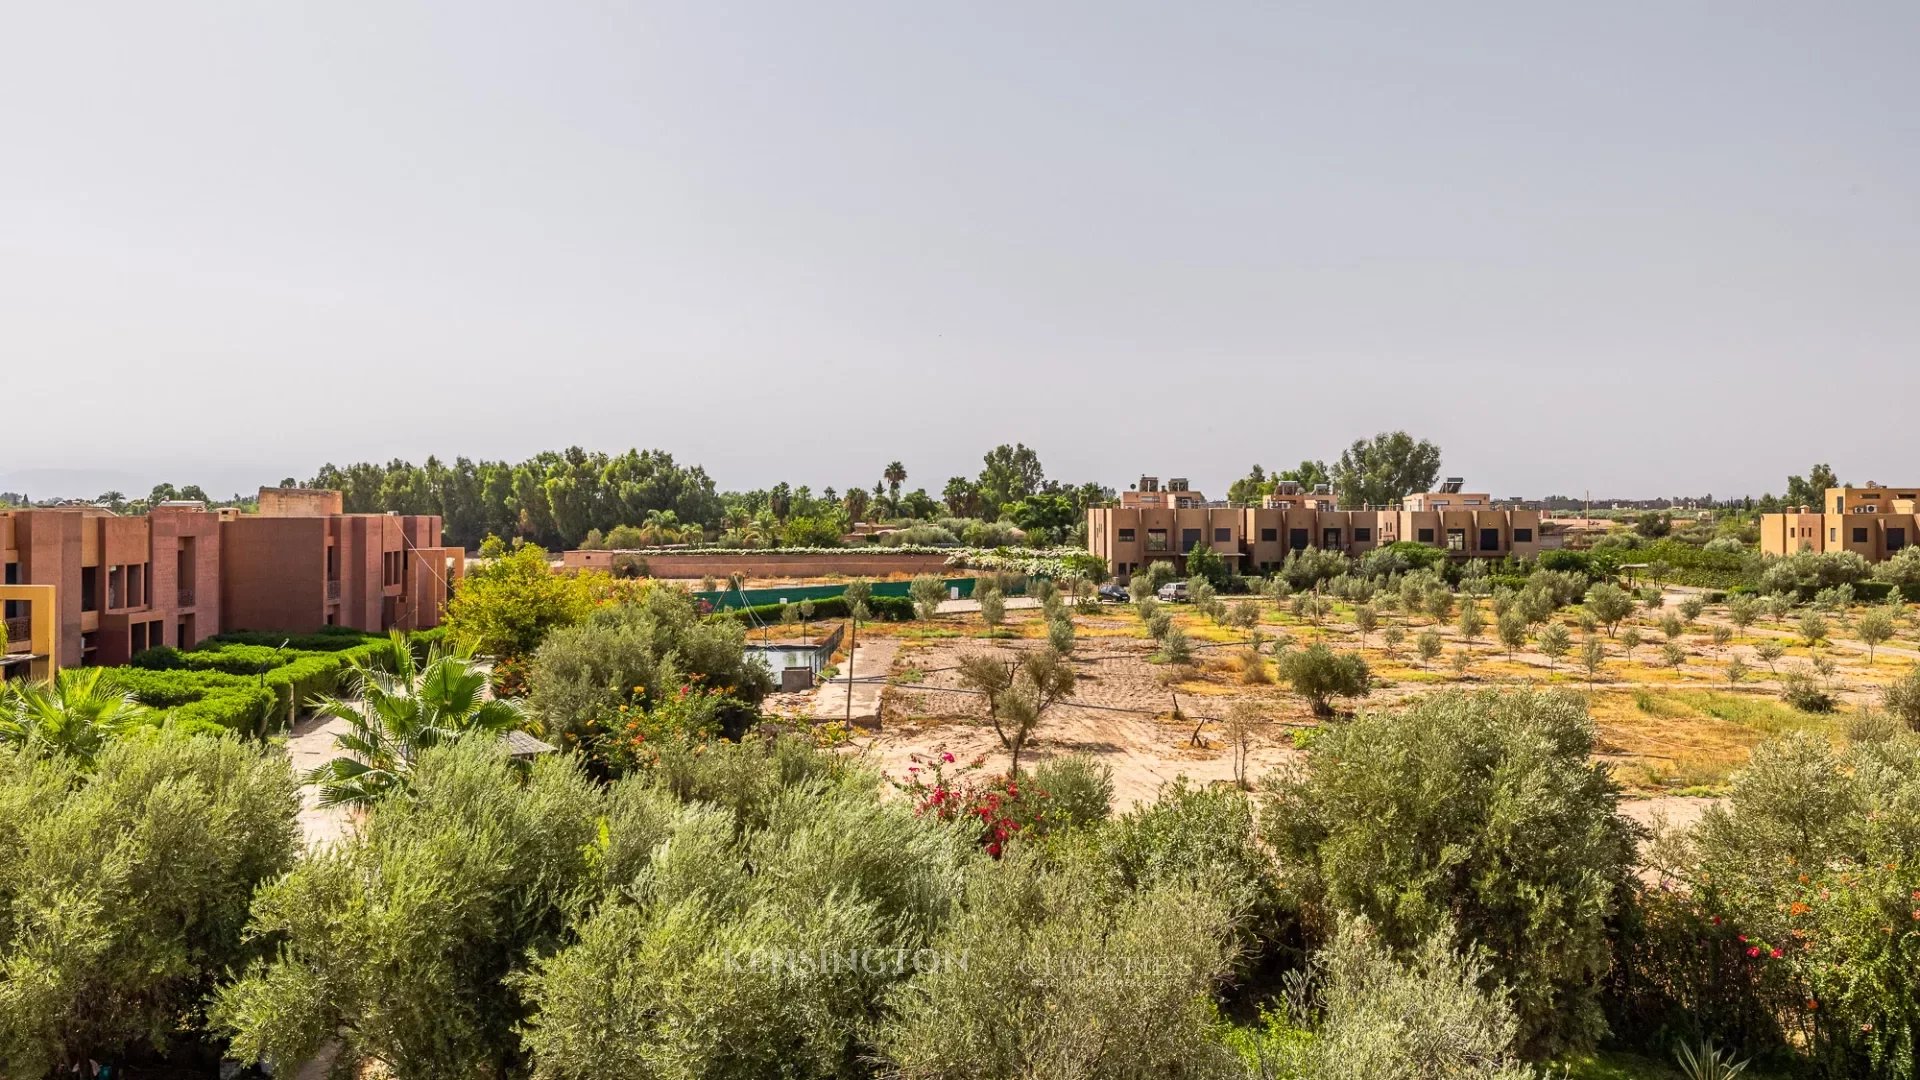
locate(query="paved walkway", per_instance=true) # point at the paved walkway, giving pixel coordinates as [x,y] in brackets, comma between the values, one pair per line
[309,746]
[871,662]
[972,607]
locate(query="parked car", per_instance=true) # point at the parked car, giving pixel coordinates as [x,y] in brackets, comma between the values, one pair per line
[1115,593]
[1174,592]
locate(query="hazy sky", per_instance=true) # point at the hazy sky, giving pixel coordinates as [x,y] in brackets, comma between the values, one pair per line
[1633,247]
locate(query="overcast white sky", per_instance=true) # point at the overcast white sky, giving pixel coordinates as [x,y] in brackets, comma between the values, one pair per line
[1633,247]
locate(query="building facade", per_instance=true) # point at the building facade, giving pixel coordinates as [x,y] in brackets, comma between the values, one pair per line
[121,584]
[181,573]
[1872,521]
[1293,518]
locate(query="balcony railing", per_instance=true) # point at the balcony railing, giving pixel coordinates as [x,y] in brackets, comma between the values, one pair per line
[19,630]
[186,598]
[333,592]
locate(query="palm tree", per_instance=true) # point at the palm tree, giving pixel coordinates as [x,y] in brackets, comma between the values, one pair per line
[661,527]
[402,708]
[856,504]
[75,714]
[896,474]
[115,501]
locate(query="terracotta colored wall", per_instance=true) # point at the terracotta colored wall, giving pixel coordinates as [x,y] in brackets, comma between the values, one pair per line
[272,574]
[754,564]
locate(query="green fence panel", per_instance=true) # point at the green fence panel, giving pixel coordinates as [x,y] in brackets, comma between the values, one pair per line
[727,600]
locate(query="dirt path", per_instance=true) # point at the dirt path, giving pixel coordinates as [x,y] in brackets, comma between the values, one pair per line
[872,660]
[309,746]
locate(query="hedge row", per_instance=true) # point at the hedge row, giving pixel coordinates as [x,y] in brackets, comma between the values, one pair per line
[241,681]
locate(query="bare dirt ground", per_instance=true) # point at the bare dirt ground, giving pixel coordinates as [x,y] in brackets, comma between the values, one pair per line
[1122,712]
[1674,734]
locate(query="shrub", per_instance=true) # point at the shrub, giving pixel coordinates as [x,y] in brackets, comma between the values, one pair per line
[1308,567]
[419,924]
[641,654]
[1484,811]
[1376,1015]
[1806,572]
[1079,787]
[1901,698]
[126,891]
[1319,674]
[506,607]
[1799,690]
[1025,932]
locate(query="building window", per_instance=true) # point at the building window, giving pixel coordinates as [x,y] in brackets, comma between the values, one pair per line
[1456,539]
[1896,538]
[1859,534]
[1126,536]
[1223,536]
[1268,536]
[1523,536]
[1426,536]
[1489,539]
[1833,535]
[1361,536]
[1297,539]
[1156,539]
[1189,539]
[1329,538]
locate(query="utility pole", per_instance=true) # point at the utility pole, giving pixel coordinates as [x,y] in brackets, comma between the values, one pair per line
[853,642]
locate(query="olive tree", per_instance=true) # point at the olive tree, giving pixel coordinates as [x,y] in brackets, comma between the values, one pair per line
[402,944]
[928,593]
[1319,674]
[1609,604]
[1874,628]
[124,890]
[1018,692]
[1480,811]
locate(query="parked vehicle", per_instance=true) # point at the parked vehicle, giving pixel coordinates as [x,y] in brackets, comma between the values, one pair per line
[1174,592]
[1115,593]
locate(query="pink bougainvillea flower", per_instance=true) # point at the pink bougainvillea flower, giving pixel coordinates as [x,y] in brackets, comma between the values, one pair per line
[948,758]
[1753,951]
[1775,954]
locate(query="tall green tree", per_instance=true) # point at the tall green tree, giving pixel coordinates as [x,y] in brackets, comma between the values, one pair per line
[1012,472]
[1811,489]
[1385,469]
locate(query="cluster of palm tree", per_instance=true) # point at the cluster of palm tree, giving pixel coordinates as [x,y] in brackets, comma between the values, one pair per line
[398,705]
[75,714]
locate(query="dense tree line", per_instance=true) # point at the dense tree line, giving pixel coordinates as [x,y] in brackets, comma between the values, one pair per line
[574,497]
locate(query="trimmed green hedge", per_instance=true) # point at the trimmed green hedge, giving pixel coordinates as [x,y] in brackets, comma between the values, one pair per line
[242,680]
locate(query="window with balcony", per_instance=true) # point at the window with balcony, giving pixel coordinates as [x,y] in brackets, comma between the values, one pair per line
[1126,536]
[1456,539]
[1156,539]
